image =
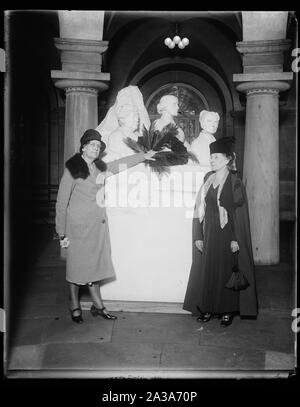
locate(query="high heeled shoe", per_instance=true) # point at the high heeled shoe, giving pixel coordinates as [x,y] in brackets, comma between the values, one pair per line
[226,319]
[76,318]
[204,317]
[101,312]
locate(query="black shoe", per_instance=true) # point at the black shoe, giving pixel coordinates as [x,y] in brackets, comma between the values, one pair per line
[204,317]
[226,319]
[102,312]
[76,318]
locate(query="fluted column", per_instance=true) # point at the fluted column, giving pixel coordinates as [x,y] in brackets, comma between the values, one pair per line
[261,167]
[81,113]
[262,82]
[82,80]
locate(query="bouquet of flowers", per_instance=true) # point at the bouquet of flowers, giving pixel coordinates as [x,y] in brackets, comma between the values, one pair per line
[170,150]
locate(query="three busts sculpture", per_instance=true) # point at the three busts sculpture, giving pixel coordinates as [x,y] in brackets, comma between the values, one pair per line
[128,116]
[209,122]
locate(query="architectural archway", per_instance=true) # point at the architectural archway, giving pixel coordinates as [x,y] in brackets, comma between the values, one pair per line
[231,99]
[197,75]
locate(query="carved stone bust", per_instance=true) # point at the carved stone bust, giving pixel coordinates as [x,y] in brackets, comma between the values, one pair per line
[168,109]
[209,122]
[128,122]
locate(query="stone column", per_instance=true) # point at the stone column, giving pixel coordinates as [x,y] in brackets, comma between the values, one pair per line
[262,81]
[82,80]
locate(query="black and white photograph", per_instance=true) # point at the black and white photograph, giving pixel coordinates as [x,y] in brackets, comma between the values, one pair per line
[150,196]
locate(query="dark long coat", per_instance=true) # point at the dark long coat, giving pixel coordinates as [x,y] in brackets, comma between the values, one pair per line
[233,197]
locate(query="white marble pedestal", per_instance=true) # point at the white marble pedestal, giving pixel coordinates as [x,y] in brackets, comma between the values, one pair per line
[150,223]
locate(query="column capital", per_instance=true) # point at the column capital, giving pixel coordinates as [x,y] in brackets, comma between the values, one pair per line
[261,90]
[81,81]
[83,89]
[260,87]
[263,82]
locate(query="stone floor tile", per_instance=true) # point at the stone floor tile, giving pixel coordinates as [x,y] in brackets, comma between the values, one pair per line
[280,361]
[268,332]
[26,357]
[211,358]
[101,356]
[27,331]
[155,328]
[64,330]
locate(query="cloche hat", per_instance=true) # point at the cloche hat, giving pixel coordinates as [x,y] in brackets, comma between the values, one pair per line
[92,134]
[223,145]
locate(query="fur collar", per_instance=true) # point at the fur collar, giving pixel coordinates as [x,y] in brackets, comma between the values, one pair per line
[79,168]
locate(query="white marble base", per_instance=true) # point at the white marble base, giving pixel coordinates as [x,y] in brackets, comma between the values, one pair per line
[151,233]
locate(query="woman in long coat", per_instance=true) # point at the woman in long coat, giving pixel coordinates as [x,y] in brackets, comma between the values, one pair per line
[81,220]
[221,228]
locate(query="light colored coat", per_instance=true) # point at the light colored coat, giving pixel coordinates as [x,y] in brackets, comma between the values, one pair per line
[84,222]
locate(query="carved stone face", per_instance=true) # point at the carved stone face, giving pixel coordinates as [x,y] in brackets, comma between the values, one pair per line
[209,122]
[132,119]
[128,117]
[169,104]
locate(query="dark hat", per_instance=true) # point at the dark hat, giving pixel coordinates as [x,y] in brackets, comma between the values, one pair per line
[223,145]
[90,135]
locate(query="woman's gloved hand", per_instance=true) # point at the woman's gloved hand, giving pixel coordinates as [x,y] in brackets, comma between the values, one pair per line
[64,242]
[234,246]
[199,245]
[150,154]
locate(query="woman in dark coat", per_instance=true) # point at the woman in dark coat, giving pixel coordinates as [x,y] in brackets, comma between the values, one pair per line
[81,220]
[221,228]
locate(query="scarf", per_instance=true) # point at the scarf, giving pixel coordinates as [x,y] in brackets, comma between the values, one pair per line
[203,191]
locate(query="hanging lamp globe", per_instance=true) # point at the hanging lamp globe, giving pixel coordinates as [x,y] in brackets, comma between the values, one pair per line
[176,39]
[167,41]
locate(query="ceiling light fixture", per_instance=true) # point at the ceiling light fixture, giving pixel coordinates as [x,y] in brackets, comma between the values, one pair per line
[181,43]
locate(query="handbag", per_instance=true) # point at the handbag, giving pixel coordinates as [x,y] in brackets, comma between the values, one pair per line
[237,280]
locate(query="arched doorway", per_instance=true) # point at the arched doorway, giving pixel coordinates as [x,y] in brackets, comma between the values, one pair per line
[198,87]
[191,102]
